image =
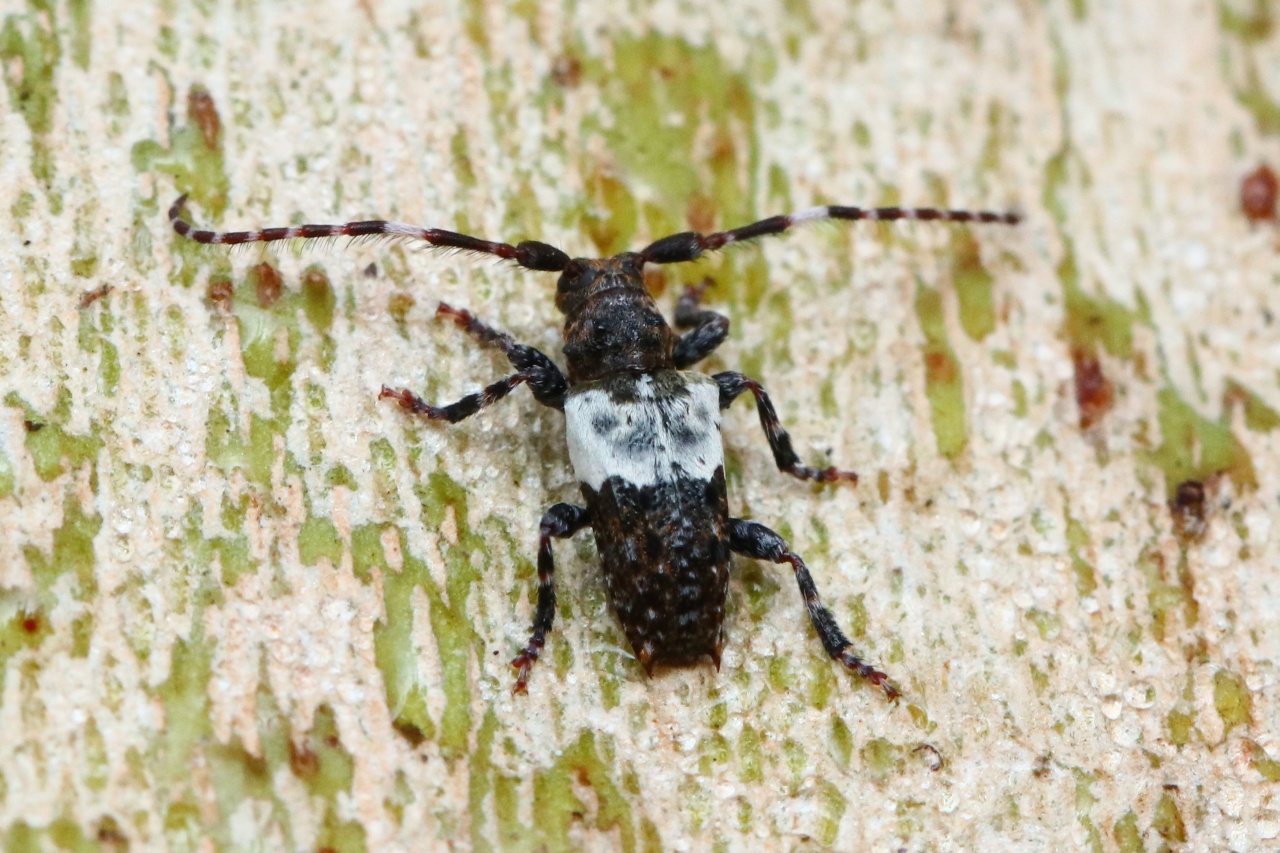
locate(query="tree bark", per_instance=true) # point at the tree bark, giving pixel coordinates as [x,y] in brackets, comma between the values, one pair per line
[246,604]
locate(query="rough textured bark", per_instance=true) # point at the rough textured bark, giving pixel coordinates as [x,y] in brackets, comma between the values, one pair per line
[244,604]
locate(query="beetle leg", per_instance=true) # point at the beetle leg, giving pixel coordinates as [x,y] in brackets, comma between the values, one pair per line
[709,329]
[559,522]
[731,386]
[534,368]
[759,542]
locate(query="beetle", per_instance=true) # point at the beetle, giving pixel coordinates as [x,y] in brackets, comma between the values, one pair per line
[643,430]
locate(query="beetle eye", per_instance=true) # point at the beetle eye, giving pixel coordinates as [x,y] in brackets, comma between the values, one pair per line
[576,275]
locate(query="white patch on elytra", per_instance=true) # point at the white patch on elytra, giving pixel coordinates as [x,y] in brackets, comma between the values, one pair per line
[655,439]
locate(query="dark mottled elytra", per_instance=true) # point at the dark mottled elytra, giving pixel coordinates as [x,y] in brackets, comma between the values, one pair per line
[643,431]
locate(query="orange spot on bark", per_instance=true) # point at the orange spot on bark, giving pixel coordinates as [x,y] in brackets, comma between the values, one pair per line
[204,114]
[1094,394]
[1258,192]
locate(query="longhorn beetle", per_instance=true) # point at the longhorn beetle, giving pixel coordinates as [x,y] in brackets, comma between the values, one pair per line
[643,431]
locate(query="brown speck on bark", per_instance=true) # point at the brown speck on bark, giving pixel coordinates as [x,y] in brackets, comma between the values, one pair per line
[566,71]
[110,836]
[933,758]
[409,732]
[939,366]
[268,284]
[701,214]
[1094,395]
[203,113]
[1258,192]
[220,292]
[724,153]
[1234,395]
[304,763]
[1188,509]
[91,296]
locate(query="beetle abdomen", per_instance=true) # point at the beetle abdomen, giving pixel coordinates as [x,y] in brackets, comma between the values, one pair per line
[649,458]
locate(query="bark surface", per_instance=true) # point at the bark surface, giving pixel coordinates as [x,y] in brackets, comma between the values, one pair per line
[246,605]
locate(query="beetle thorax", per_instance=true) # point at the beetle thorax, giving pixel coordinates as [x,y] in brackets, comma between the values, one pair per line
[611,323]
